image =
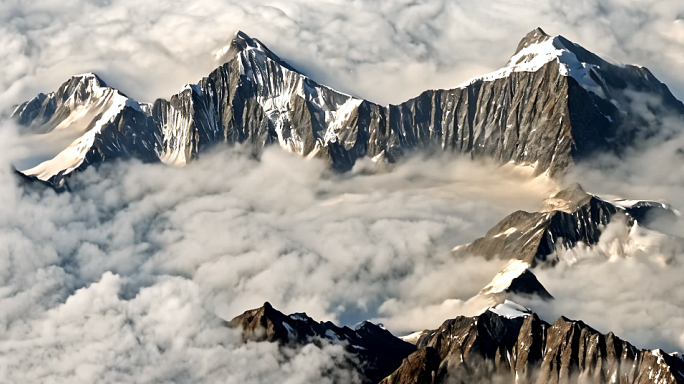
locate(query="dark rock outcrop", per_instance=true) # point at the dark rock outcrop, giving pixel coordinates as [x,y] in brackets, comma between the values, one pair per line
[378,351]
[514,281]
[419,367]
[527,284]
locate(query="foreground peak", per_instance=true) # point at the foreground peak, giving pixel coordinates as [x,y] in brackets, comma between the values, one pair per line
[377,349]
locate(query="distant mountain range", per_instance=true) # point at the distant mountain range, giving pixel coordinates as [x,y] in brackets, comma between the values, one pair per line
[553,104]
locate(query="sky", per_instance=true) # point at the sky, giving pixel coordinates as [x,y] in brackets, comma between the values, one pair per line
[129,277]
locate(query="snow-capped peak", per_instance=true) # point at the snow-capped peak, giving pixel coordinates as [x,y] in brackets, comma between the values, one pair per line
[538,49]
[89,106]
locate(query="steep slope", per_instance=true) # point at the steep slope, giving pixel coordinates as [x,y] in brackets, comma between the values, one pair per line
[509,346]
[553,104]
[377,350]
[95,123]
[514,280]
[525,349]
[257,98]
[569,218]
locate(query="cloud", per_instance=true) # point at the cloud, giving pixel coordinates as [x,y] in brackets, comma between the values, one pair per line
[161,335]
[386,51]
[635,293]
[142,261]
[129,275]
[631,282]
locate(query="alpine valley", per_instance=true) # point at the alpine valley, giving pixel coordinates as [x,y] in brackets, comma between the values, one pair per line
[552,107]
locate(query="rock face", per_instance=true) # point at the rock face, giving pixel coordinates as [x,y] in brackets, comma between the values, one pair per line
[103,123]
[513,347]
[525,349]
[567,219]
[378,351]
[514,280]
[419,367]
[553,104]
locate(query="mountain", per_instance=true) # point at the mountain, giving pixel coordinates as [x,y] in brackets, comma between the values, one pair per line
[509,346]
[553,104]
[378,352]
[524,349]
[514,281]
[98,123]
[570,218]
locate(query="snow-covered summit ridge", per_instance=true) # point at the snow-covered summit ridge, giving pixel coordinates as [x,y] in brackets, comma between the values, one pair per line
[538,49]
[254,96]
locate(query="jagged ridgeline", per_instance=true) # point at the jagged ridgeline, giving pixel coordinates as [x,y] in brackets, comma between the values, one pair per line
[489,348]
[552,105]
[567,219]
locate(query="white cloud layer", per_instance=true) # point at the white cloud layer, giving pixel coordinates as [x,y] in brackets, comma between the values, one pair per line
[130,274]
[631,283]
[386,51]
[127,277]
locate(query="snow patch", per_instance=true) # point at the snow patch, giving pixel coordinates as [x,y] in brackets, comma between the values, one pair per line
[510,309]
[503,279]
[332,336]
[535,56]
[299,317]
[290,330]
[413,337]
[507,232]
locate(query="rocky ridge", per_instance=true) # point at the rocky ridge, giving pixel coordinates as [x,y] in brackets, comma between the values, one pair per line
[517,348]
[553,104]
[566,220]
[526,349]
[377,352]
